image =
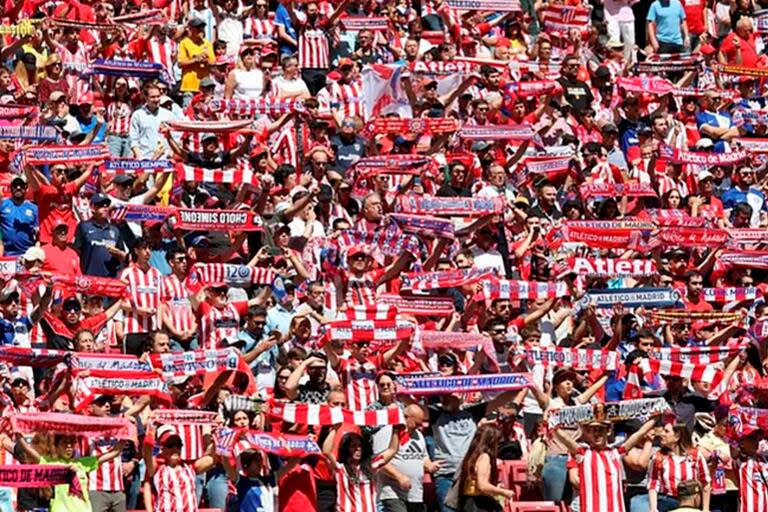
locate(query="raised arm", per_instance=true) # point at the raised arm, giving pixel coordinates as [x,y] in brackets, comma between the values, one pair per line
[639,435]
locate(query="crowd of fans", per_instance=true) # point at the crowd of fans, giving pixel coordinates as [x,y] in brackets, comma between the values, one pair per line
[341,206]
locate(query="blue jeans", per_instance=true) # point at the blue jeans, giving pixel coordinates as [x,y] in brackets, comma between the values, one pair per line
[664,503]
[199,487]
[119,146]
[554,477]
[442,486]
[5,500]
[217,488]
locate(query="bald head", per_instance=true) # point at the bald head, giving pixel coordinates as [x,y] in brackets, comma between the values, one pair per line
[414,417]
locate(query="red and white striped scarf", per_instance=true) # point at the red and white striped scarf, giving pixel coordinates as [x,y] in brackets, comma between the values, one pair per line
[434,340]
[445,279]
[382,332]
[239,174]
[260,106]
[697,356]
[520,132]
[200,362]
[648,368]
[522,290]
[617,190]
[241,276]
[322,415]
[209,126]
[577,358]
[730,294]
[184,416]
[426,305]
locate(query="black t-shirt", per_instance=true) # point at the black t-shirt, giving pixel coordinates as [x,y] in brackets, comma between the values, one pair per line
[347,152]
[220,159]
[577,93]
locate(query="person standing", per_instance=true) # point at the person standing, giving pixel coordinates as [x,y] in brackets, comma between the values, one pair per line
[100,243]
[143,311]
[195,58]
[666,27]
[19,221]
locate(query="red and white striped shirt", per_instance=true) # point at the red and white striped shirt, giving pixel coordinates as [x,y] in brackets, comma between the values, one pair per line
[119,116]
[359,380]
[356,495]
[74,63]
[193,441]
[109,475]
[314,49]
[600,476]
[753,486]
[175,487]
[144,289]
[260,29]
[348,98]
[163,52]
[216,325]
[669,470]
[174,296]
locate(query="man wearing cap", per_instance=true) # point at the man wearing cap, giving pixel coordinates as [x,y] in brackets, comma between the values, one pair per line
[144,135]
[211,157]
[610,133]
[53,81]
[90,115]
[347,145]
[195,56]
[101,245]
[219,318]
[59,257]
[344,96]
[18,220]
[706,204]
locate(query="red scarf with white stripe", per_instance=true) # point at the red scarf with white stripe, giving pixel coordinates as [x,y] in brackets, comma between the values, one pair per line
[322,415]
[647,368]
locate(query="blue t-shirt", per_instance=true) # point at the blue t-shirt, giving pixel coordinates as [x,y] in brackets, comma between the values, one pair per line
[753,197]
[90,126]
[283,18]
[18,224]
[718,120]
[667,20]
[9,329]
[256,494]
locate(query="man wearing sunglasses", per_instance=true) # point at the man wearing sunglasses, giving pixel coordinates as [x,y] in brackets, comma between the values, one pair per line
[577,92]
[18,220]
[64,320]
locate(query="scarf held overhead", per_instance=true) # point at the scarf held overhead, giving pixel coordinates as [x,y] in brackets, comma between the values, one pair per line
[73,424]
[325,415]
[640,409]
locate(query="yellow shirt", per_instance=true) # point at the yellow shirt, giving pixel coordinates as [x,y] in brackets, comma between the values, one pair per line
[192,75]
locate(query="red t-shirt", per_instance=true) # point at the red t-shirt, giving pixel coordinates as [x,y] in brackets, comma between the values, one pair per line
[748,53]
[694,16]
[60,261]
[56,204]
[702,305]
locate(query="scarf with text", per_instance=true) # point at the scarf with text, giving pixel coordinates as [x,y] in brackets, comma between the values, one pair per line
[136,69]
[461,65]
[522,290]
[550,166]
[612,267]
[534,88]
[325,415]
[730,294]
[424,225]
[38,133]
[423,281]
[393,164]
[132,166]
[73,424]
[697,355]
[270,105]
[30,476]
[194,219]
[485,5]
[450,206]
[84,25]
[428,125]
[742,116]
[642,85]
[380,333]
[442,385]
[21,29]
[282,445]
[85,284]
[744,420]
[388,241]
[709,159]
[674,62]
[639,409]
[70,155]
[140,212]
[601,234]
[200,362]
[632,297]
[748,235]
[184,417]
[576,358]
[149,17]
[426,305]
[730,259]
[671,218]
[240,276]
[109,364]
[11,111]
[617,190]
[757,72]
[372,23]
[752,145]
[647,369]
[436,340]
[38,357]
[664,317]
[87,389]
[520,132]
[688,237]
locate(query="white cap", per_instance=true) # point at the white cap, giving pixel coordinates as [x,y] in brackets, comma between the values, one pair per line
[703,175]
[34,253]
[704,143]
[165,432]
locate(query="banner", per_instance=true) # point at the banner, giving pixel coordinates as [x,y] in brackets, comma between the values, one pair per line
[617,190]
[520,132]
[633,298]
[37,133]
[612,267]
[442,385]
[523,290]
[579,359]
[131,166]
[451,206]
[70,155]
[190,219]
[445,279]
[73,424]
[325,415]
[419,305]
[640,409]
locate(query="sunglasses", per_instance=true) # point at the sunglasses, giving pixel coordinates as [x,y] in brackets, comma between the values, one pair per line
[220,291]
[175,444]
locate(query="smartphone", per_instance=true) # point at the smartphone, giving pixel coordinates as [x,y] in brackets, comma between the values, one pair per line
[275,251]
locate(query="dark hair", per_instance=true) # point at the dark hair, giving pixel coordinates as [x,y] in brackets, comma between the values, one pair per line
[232,414]
[256,311]
[345,454]
[486,441]
[494,322]
[173,252]
[743,208]
[277,392]
[690,274]
[283,171]
[139,243]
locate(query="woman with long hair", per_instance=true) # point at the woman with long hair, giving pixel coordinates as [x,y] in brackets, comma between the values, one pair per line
[246,81]
[479,474]
[355,468]
[63,452]
[676,457]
